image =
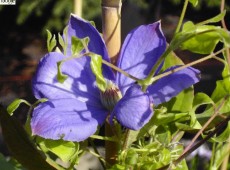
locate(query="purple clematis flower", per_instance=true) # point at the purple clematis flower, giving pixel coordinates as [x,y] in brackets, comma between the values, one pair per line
[76,107]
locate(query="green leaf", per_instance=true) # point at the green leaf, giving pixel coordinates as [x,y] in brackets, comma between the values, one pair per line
[96,67]
[163,135]
[171,60]
[204,39]
[65,150]
[215,19]
[51,42]
[78,45]
[200,39]
[61,41]
[164,119]
[20,145]
[224,136]
[182,102]
[226,70]
[202,44]
[15,104]
[93,24]
[224,110]
[201,99]
[65,43]
[186,127]
[222,90]
[60,76]
[222,101]
[194,2]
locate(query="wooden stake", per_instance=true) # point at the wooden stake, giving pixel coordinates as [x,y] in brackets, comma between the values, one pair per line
[78,7]
[111,29]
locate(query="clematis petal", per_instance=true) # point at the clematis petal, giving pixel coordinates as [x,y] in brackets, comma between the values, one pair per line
[80,83]
[67,119]
[81,28]
[140,51]
[134,110]
[168,87]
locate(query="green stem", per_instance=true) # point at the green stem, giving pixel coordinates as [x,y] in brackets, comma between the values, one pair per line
[119,70]
[182,16]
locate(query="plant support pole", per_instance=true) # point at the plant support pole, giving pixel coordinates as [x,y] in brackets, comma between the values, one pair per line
[78,7]
[111,29]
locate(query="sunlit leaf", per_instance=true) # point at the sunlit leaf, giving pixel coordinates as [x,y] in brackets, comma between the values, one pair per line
[203,38]
[185,127]
[164,119]
[182,102]
[171,60]
[215,19]
[194,2]
[201,99]
[93,24]
[51,42]
[65,40]
[163,135]
[96,66]
[200,39]
[60,76]
[15,104]
[77,45]
[65,150]
[61,41]
[224,136]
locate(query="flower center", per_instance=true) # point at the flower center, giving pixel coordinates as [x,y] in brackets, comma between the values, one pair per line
[110,96]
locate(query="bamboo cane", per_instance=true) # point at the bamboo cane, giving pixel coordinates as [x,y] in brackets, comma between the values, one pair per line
[111,29]
[78,7]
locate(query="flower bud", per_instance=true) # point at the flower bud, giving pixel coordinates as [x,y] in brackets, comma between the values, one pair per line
[110,96]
